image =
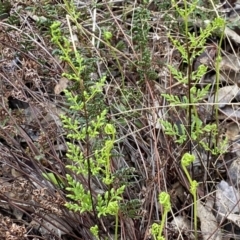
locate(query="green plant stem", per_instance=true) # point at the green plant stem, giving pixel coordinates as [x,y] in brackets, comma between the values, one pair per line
[193,191]
[189,73]
[196,115]
[218,76]
[195,213]
[162,223]
[187,174]
[116,227]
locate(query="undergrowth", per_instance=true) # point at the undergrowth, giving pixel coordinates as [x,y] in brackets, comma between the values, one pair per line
[193,46]
[131,127]
[92,127]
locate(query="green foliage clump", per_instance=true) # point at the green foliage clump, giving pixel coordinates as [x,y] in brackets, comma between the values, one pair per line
[196,129]
[90,126]
[140,32]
